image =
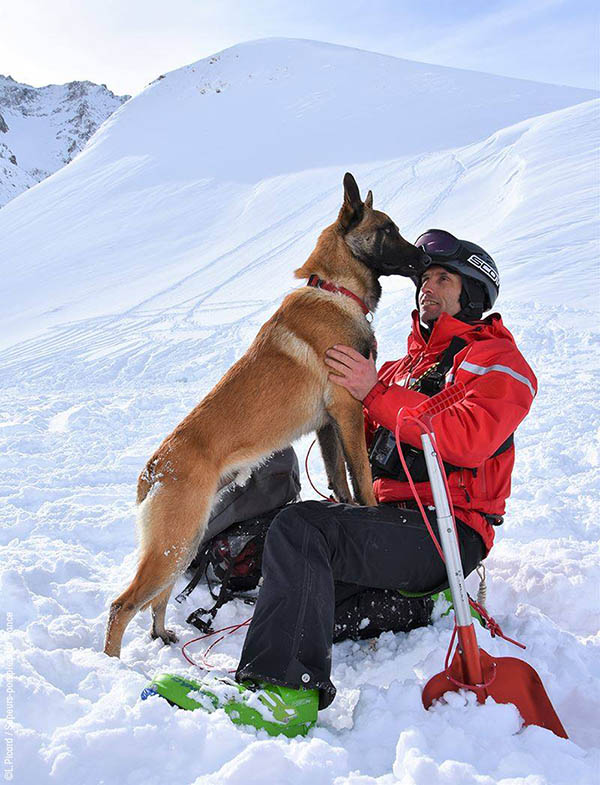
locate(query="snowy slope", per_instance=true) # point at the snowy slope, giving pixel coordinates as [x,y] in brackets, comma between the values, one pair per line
[43,128]
[133,278]
[223,150]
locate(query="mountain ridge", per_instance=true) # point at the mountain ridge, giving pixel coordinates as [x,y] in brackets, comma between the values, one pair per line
[324,44]
[304,105]
[43,128]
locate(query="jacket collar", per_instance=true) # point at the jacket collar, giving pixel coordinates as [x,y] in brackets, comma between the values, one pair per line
[444,329]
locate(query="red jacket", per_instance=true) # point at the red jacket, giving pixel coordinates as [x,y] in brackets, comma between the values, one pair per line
[500,389]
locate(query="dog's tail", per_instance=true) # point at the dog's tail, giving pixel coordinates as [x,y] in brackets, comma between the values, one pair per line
[143,487]
[149,476]
[172,514]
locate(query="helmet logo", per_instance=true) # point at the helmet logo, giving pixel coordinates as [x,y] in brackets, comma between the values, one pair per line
[485,268]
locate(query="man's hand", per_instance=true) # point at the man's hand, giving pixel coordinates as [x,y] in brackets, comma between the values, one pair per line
[351,370]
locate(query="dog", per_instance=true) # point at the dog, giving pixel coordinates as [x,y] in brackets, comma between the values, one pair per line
[276,392]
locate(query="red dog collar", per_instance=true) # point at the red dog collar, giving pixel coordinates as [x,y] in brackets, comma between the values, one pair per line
[319,283]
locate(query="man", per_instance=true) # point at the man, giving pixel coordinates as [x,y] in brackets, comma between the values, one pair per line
[283,676]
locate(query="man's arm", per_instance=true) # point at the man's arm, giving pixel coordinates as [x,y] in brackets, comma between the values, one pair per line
[500,388]
[359,376]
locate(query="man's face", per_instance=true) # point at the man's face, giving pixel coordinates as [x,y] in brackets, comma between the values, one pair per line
[440,293]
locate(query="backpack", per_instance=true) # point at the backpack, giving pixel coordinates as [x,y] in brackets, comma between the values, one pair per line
[230,561]
[230,553]
[271,485]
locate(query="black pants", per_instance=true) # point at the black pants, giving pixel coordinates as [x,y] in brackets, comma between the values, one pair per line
[309,547]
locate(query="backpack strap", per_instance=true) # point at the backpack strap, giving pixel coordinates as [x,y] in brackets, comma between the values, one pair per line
[433,381]
[195,618]
[450,352]
[255,529]
[506,445]
[202,566]
[224,596]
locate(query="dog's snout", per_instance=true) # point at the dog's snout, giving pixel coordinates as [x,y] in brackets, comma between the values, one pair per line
[425,259]
[422,260]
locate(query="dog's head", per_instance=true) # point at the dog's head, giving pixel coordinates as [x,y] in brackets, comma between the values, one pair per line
[374,238]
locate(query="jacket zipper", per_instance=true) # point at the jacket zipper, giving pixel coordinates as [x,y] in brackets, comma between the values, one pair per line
[461,484]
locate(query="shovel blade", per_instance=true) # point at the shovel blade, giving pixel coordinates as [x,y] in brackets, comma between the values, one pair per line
[506,680]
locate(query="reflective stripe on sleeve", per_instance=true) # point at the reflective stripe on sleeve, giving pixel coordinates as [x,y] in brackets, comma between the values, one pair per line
[480,370]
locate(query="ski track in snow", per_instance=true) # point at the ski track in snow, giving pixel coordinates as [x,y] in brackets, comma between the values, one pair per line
[87,400]
[70,457]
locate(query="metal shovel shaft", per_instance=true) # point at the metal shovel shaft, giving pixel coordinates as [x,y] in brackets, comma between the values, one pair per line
[448,538]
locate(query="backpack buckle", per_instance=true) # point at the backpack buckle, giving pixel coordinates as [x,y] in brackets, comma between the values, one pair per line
[196,620]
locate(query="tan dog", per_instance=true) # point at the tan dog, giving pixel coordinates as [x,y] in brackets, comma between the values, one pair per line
[278,391]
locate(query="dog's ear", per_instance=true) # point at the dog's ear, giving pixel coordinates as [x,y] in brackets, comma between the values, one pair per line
[369,200]
[352,208]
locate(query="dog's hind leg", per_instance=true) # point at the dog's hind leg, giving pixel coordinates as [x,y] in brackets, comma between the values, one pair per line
[348,414]
[159,607]
[149,582]
[333,458]
[152,585]
[171,529]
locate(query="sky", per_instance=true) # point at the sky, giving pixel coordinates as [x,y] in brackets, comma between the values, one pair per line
[125,45]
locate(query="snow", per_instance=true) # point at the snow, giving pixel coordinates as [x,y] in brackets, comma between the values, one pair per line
[132,278]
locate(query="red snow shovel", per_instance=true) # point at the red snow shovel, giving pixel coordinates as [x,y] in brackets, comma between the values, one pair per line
[505,679]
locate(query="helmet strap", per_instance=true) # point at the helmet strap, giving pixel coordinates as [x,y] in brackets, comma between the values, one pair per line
[472,299]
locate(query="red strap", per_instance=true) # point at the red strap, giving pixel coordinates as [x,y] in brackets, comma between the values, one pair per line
[205,664]
[319,283]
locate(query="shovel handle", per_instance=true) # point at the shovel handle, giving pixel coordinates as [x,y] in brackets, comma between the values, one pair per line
[423,414]
[447,532]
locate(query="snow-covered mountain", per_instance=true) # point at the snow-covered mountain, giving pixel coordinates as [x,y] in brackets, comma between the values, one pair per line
[132,278]
[43,128]
[228,147]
